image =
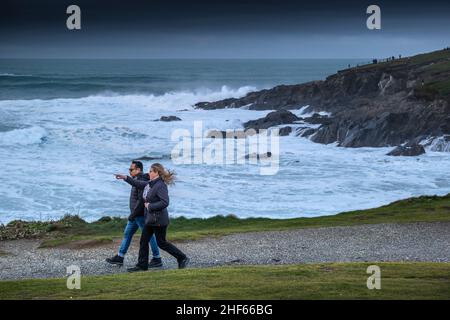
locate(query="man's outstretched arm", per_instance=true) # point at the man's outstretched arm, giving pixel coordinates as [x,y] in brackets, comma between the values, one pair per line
[140,184]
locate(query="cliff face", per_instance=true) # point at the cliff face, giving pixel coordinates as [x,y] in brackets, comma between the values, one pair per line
[375,105]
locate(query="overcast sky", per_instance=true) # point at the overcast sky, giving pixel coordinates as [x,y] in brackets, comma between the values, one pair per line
[221,29]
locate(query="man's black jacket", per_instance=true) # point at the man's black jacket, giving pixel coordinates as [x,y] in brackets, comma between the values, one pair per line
[136,201]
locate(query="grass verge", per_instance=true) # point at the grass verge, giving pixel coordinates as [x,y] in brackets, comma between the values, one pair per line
[306,281]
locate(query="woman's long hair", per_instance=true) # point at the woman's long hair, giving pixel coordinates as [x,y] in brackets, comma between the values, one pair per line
[168,176]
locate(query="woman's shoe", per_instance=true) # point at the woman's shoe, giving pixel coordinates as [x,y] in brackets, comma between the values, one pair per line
[183,263]
[155,263]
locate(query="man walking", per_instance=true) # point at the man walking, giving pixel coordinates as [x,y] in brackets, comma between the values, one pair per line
[136,220]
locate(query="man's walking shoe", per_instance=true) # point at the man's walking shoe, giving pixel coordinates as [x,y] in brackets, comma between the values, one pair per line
[117,260]
[136,269]
[183,263]
[155,263]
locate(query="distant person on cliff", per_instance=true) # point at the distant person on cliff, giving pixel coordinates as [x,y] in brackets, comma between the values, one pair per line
[136,219]
[156,197]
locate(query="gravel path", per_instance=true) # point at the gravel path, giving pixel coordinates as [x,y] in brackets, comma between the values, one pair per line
[21,259]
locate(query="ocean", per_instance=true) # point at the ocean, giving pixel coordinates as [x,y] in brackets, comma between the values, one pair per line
[67,125]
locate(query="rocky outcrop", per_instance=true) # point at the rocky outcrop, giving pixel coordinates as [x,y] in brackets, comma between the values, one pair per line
[381,130]
[285,131]
[169,118]
[305,131]
[272,119]
[147,158]
[377,105]
[282,97]
[318,119]
[385,128]
[409,151]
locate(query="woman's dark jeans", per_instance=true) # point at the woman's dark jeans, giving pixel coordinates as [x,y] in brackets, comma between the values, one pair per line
[160,234]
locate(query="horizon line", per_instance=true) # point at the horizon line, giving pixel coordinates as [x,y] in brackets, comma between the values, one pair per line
[156,58]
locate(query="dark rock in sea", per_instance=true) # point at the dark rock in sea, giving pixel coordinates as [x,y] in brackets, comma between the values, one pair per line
[274,118]
[259,156]
[409,151]
[374,105]
[148,158]
[285,131]
[169,118]
[222,104]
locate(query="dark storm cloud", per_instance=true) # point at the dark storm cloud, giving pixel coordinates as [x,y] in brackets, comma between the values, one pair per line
[264,28]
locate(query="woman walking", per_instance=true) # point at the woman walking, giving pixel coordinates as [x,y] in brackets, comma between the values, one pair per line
[156,198]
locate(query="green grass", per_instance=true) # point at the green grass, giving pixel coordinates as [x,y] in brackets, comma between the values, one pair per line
[443,66]
[307,281]
[75,230]
[430,56]
[438,68]
[420,59]
[77,242]
[441,87]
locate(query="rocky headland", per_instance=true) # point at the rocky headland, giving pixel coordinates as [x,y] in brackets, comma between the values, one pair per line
[399,102]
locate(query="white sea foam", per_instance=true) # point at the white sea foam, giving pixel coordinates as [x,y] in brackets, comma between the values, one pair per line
[22,137]
[440,144]
[90,138]
[170,101]
[301,112]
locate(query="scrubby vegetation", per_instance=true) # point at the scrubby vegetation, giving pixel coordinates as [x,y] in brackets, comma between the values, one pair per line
[73,228]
